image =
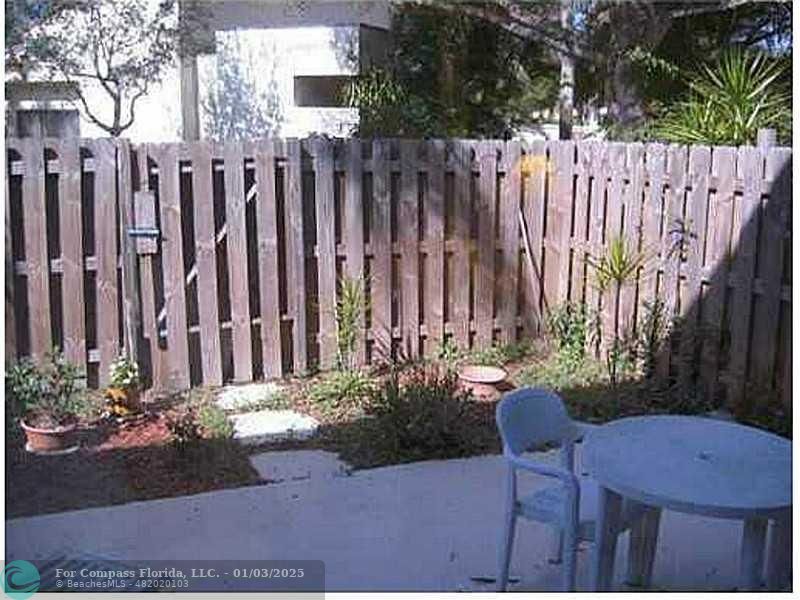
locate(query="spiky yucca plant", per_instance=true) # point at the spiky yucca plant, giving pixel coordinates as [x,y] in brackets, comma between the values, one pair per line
[730,102]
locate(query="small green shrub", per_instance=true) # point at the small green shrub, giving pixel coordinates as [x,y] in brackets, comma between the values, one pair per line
[350,309]
[498,355]
[342,390]
[214,423]
[619,265]
[572,328]
[421,414]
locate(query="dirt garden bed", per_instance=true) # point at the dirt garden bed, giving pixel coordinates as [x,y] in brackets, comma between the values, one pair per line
[425,416]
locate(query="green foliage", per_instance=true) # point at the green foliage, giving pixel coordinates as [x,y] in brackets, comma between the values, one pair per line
[350,308]
[653,332]
[571,326]
[342,390]
[560,373]
[498,355]
[214,423]
[420,414]
[123,373]
[448,354]
[386,107]
[730,101]
[619,265]
[47,395]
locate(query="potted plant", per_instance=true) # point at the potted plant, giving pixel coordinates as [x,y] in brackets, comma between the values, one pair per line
[48,400]
[122,393]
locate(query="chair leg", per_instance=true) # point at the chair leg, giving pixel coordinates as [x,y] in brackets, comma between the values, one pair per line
[569,556]
[556,546]
[506,545]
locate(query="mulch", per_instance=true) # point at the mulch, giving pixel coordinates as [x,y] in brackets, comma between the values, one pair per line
[119,464]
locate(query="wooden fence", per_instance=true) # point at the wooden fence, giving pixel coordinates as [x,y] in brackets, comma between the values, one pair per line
[466,240]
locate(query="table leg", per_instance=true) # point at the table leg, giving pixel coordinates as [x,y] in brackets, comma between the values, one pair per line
[605,542]
[751,563]
[642,547]
[779,554]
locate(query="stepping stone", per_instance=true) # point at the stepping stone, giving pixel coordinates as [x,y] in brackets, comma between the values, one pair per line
[298,465]
[272,425]
[243,397]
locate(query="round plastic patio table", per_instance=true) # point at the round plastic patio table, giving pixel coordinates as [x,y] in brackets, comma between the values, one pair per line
[691,465]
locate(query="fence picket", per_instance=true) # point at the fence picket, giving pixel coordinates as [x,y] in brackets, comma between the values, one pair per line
[71,236]
[296,254]
[381,238]
[326,251]
[177,356]
[434,238]
[750,169]
[774,221]
[460,273]
[510,237]
[105,227]
[36,258]
[486,253]
[536,167]
[269,281]
[206,260]
[354,231]
[408,233]
[723,165]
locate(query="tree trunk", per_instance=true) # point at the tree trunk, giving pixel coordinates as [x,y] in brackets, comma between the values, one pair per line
[626,106]
[566,90]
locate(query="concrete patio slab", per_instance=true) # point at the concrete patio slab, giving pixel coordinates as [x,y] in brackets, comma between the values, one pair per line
[425,526]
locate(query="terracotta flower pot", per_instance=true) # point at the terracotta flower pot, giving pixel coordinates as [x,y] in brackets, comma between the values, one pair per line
[50,441]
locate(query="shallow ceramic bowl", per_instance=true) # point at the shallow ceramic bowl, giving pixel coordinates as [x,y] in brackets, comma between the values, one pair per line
[482,375]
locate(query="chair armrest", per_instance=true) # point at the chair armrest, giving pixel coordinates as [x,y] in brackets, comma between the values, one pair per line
[567,477]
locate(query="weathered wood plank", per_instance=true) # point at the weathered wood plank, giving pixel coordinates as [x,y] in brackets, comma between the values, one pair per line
[435,232]
[631,233]
[540,166]
[599,170]
[510,202]
[381,272]
[296,265]
[671,240]
[157,357]
[326,250]
[354,231]
[696,216]
[459,288]
[131,305]
[579,226]
[723,166]
[556,247]
[774,222]
[11,347]
[206,262]
[610,311]
[238,279]
[652,217]
[408,233]
[486,253]
[269,281]
[177,355]
[35,228]
[745,232]
[105,227]
[71,235]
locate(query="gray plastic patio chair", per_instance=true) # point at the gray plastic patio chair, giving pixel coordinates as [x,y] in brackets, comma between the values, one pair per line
[530,418]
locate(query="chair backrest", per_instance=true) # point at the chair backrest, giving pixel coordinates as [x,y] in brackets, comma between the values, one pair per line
[530,417]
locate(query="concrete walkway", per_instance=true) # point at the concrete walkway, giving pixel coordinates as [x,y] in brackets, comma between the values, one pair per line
[425,526]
